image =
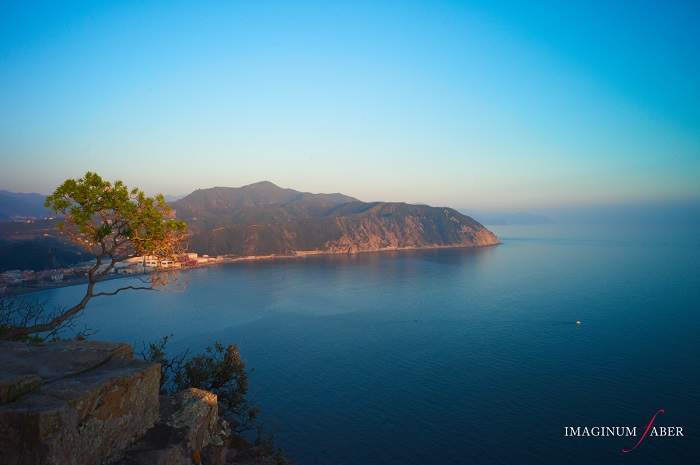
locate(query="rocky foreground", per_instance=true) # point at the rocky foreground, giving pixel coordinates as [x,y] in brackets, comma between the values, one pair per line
[80,402]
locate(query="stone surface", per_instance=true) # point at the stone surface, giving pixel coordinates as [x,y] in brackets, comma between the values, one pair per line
[15,385]
[93,401]
[188,427]
[215,452]
[51,361]
[196,412]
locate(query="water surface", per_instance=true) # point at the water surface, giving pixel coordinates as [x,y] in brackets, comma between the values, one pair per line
[455,356]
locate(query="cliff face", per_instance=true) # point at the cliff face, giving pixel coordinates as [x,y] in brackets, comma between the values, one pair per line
[247,222]
[382,226]
[73,402]
[91,402]
[376,234]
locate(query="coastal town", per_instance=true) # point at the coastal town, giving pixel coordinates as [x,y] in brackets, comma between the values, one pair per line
[24,281]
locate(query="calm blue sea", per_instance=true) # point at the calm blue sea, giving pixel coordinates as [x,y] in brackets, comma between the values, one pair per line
[462,356]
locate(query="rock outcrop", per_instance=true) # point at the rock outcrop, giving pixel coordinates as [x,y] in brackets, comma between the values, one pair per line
[73,402]
[79,402]
[188,430]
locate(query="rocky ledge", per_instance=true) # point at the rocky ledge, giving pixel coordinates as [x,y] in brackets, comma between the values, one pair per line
[80,402]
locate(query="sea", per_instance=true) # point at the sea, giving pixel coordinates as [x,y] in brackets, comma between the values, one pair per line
[559,346]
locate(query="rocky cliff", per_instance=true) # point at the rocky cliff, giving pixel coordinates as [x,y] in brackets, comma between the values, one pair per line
[84,403]
[73,402]
[263,219]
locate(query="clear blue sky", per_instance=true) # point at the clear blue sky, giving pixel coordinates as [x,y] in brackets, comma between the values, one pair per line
[484,104]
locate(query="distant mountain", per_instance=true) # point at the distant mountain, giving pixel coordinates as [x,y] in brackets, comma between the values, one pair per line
[262,202]
[41,253]
[264,219]
[14,205]
[36,245]
[172,198]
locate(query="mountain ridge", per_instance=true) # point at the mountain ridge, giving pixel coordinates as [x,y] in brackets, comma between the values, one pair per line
[15,205]
[264,219]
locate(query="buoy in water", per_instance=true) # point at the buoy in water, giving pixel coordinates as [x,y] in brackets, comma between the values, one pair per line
[578,322]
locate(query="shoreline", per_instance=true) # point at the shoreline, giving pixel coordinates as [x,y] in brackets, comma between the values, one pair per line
[299,254]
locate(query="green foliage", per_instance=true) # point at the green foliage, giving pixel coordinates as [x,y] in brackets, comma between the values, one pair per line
[219,369]
[116,223]
[169,367]
[222,371]
[113,220]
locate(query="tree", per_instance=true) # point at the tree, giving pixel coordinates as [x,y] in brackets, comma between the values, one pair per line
[115,223]
[222,371]
[219,369]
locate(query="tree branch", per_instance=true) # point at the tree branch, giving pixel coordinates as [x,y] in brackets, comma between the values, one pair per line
[114,223]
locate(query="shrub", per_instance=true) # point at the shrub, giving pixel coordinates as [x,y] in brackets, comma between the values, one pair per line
[219,369]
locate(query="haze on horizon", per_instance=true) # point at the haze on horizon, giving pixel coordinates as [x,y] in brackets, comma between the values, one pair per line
[501,105]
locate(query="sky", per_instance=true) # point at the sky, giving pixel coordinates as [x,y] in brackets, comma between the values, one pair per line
[472,104]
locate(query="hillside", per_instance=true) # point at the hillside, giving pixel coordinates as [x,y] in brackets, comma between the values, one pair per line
[257,203]
[263,219]
[14,205]
[36,245]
